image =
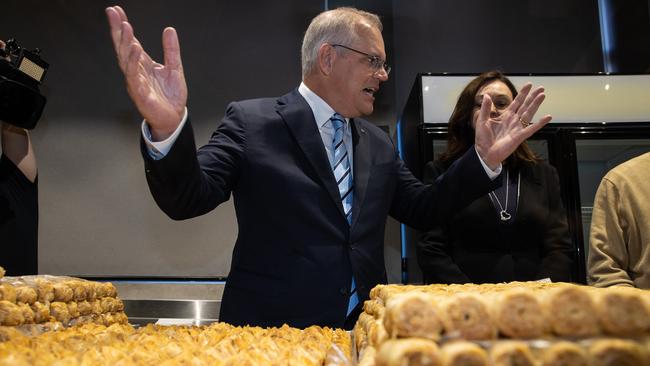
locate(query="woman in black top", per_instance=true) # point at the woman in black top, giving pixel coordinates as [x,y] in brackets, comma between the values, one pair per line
[516,232]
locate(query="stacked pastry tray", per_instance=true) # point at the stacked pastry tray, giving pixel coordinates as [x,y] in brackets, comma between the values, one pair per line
[36,303]
[519,323]
[216,344]
[72,342]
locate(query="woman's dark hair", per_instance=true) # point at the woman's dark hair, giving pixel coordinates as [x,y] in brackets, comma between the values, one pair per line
[461,133]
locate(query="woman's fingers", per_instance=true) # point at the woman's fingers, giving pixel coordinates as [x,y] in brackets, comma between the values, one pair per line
[519,99]
[486,108]
[528,112]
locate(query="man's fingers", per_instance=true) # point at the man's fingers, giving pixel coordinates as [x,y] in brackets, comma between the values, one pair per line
[126,42]
[115,23]
[121,34]
[519,99]
[132,64]
[171,49]
[121,12]
[116,16]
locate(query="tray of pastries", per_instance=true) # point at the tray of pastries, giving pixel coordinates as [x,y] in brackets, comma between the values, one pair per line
[517,323]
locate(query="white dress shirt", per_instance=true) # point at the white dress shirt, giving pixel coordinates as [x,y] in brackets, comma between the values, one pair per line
[322,114]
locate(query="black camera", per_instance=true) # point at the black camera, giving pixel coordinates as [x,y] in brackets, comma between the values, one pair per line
[21,72]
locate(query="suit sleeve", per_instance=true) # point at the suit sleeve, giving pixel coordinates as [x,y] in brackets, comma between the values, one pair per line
[557,260]
[608,259]
[422,206]
[433,247]
[187,183]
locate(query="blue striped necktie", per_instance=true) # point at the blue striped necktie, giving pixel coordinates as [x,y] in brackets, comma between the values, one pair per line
[343,176]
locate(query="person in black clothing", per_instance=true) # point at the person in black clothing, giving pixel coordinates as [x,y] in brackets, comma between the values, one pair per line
[518,232]
[18,201]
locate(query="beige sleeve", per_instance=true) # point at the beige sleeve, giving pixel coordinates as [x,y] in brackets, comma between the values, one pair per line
[607,260]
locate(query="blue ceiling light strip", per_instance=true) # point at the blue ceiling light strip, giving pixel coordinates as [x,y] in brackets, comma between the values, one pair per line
[606,35]
[402,227]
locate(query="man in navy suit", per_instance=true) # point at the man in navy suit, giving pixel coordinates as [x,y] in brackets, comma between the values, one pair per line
[304,255]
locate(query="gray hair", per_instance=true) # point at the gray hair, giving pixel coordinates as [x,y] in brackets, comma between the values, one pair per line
[337,26]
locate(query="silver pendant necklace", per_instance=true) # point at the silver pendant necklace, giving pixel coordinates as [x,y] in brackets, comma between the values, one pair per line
[504,215]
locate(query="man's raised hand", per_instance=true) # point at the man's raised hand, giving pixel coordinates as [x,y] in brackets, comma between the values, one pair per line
[159,91]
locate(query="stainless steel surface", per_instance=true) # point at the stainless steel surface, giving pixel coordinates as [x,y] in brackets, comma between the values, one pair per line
[171,302]
[183,309]
[150,290]
[192,311]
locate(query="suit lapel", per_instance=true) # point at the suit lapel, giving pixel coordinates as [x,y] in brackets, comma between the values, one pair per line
[299,118]
[362,163]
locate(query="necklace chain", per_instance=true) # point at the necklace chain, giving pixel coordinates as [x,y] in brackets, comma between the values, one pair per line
[503,213]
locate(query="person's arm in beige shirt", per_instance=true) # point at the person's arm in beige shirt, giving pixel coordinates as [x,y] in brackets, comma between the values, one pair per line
[608,260]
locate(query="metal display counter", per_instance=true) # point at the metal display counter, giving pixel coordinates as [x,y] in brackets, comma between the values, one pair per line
[171,302]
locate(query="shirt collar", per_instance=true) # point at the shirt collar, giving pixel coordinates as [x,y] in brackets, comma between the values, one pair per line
[322,111]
